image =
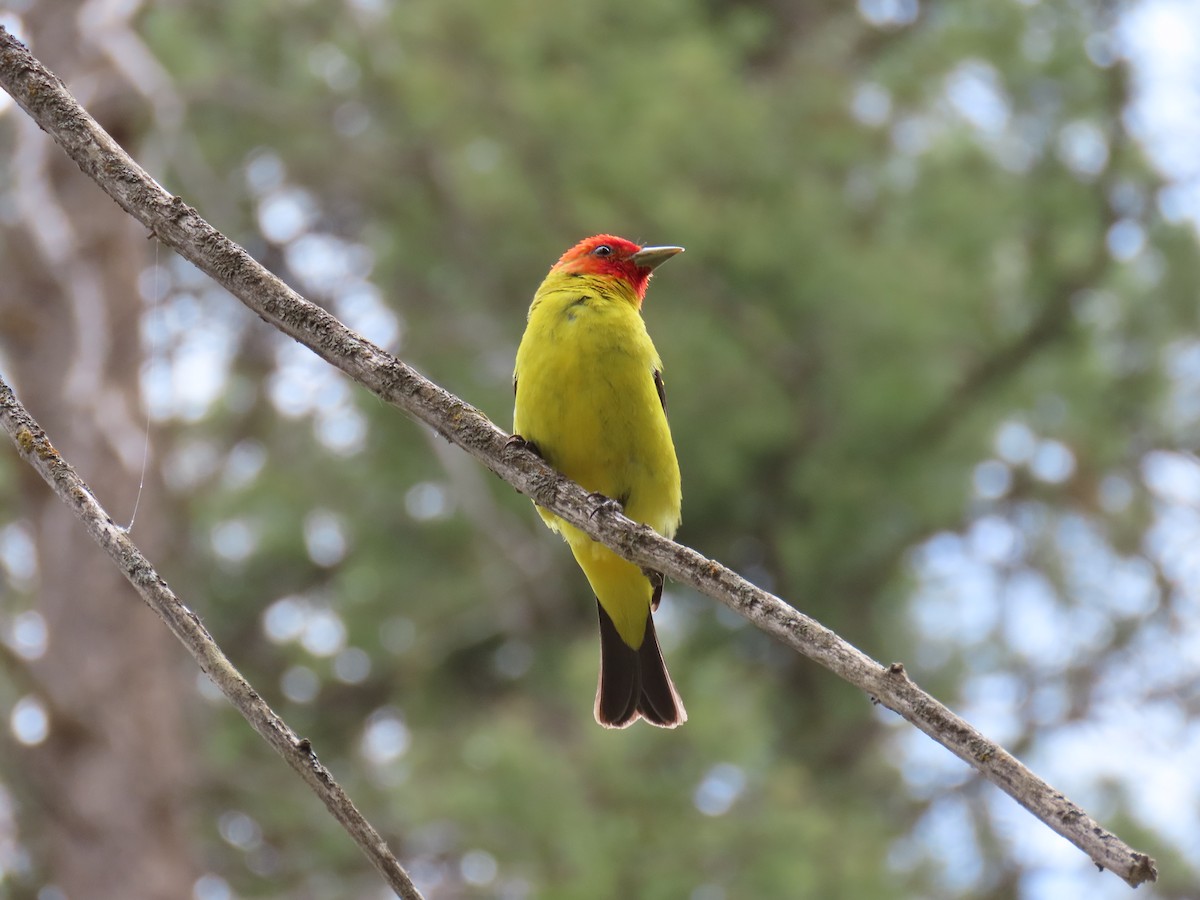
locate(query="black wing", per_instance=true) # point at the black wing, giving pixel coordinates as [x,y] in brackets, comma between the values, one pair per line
[662,390]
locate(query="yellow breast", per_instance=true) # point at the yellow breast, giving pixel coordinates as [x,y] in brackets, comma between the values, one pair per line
[586,396]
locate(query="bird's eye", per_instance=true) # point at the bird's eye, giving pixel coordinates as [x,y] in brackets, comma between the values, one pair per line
[603,250]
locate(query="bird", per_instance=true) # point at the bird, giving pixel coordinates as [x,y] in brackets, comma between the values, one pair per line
[591,401]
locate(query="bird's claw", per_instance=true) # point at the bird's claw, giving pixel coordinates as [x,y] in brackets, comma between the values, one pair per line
[603,504]
[522,444]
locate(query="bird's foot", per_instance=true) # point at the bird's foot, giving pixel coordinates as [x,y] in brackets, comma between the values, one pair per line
[604,504]
[522,444]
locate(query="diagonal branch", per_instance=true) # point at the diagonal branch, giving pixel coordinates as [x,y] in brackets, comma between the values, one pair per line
[37,450]
[44,98]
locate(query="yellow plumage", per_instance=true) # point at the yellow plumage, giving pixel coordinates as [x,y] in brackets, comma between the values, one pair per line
[589,397]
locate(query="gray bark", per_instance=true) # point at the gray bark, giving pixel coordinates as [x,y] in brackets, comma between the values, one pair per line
[105,797]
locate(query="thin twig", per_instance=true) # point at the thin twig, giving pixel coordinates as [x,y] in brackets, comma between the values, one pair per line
[37,450]
[43,97]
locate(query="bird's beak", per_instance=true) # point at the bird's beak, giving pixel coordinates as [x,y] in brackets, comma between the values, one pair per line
[653,257]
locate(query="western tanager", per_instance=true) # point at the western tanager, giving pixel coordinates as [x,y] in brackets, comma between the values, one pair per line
[590,400]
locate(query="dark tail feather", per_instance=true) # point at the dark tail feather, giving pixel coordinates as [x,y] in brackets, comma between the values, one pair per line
[659,702]
[620,680]
[634,683]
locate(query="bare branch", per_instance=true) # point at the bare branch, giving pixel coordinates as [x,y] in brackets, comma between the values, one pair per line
[41,95]
[37,450]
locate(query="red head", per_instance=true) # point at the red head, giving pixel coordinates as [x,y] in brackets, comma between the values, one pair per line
[615,257]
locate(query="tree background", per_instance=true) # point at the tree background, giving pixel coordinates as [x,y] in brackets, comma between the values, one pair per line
[934,369]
